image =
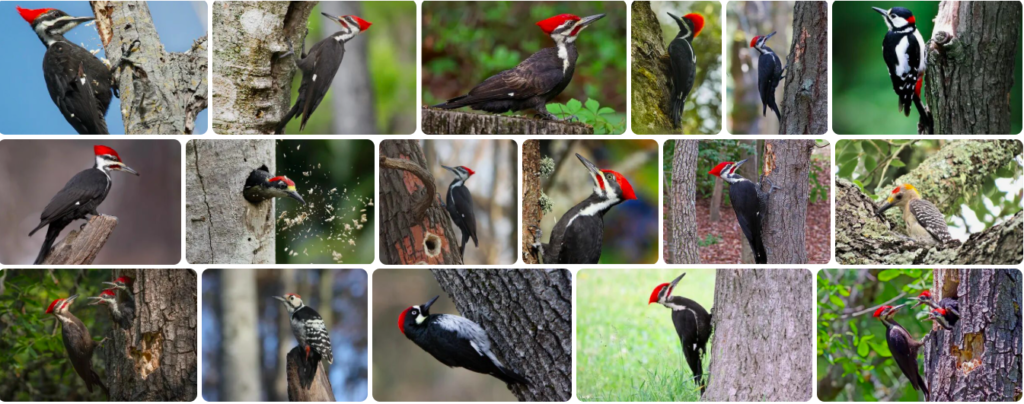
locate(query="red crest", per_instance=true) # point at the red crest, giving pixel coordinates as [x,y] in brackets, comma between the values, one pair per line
[698,22]
[101,150]
[550,24]
[31,15]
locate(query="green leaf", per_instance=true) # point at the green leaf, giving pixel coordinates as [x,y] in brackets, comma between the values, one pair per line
[574,106]
[889,274]
[881,348]
[896,163]
[837,301]
[592,105]
[556,108]
[863,348]
[605,111]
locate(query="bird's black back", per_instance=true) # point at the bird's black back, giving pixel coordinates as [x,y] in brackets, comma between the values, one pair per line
[684,70]
[694,318]
[578,242]
[455,350]
[79,346]
[322,61]
[80,196]
[904,354]
[750,221]
[460,207]
[769,73]
[83,105]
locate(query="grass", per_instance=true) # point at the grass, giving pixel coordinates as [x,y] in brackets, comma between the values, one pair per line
[628,350]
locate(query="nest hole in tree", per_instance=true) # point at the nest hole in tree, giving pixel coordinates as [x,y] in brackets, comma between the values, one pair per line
[147,355]
[432,245]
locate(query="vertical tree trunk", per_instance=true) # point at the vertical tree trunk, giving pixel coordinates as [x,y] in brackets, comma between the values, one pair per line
[251,83]
[980,358]
[787,163]
[649,79]
[971,65]
[682,208]
[748,170]
[306,382]
[223,227]
[805,101]
[156,359]
[532,212]
[528,315]
[286,280]
[240,345]
[354,94]
[759,354]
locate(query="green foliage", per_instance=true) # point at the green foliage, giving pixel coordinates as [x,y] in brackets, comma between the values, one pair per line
[709,240]
[591,113]
[819,191]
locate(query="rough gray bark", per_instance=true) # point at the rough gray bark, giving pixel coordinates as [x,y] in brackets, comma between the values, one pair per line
[222,227]
[787,163]
[532,211]
[161,92]
[251,83]
[971,65]
[240,344]
[354,93]
[80,247]
[682,210]
[980,358]
[445,122]
[804,103]
[758,354]
[649,80]
[156,359]
[528,315]
[303,383]
[286,281]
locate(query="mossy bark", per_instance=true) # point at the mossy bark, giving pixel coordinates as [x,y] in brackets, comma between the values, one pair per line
[649,80]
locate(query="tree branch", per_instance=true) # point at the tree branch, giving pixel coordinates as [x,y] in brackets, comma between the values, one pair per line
[305,382]
[80,247]
[445,122]
[423,175]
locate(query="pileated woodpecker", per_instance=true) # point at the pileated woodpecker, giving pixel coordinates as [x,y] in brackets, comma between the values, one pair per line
[904,52]
[80,197]
[454,341]
[536,80]
[262,186]
[749,203]
[693,324]
[319,67]
[683,62]
[939,316]
[459,204]
[79,83]
[122,312]
[77,342]
[577,237]
[949,306]
[903,347]
[769,74]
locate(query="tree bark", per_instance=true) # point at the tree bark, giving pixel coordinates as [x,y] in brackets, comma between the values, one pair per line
[445,122]
[252,84]
[682,208]
[980,358]
[650,82]
[787,164]
[971,65]
[240,345]
[156,359]
[161,92]
[758,354]
[528,315]
[532,211]
[306,382]
[80,247]
[286,283]
[223,227]
[805,100]
[417,230]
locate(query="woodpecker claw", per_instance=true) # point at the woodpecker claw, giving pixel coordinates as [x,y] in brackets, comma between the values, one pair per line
[537,245]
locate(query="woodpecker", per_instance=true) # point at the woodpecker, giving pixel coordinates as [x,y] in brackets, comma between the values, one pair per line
[683,62]
[939,317]
[749,203]
[127,305]
[309,328]
[79,83]
[903,347]
[80,197]
[262,186]
[77,342]
[459,204]
[925,223]
[454,341]
[536,80]
[950,308]
[693,325]
[121,315]
[769,74]
[577,237]
[904,52]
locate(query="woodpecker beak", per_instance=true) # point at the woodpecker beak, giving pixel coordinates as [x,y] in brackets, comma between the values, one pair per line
[675,17]
[673,284]
[766,38]
[281,298]
[450,169]
[590,166]
[95,300]
[881,11]
[125,168]
[336,19]
[737,165]
[885,207]
[295,195]
[70,299]
[588,20]
[425,307]
[112,284]
[896,308]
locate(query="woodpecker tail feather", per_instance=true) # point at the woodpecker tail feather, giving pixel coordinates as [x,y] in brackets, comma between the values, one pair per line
[774,107]
[676,112]
[457,102]
[287,118]
[51,235]
[760,255]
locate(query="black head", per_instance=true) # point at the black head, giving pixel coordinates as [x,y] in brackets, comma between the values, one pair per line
[897,18]
[415,316]
[690,25]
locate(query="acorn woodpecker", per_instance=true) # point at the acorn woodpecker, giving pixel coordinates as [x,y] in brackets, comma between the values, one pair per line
[769,74]
[459,204]
[683,62]
[904,52]
[262,186]
[693,325]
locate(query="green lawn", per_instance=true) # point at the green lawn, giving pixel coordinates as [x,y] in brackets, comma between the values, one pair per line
[627,350]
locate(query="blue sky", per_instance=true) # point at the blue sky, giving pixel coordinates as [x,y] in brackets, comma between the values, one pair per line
[25,105]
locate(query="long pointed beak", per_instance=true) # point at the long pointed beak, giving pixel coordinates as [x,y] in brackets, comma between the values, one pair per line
[281,298]
[295,195]
[79,20]
[769,36]
[329,16]
[450,169]
[128,169]
[897,308]
[673,284]
[881,11]
[739,163]
[884,208]
[426,306]
[71,299]
[675,17]
[590,20]
[112,284]
[95,300]
[590,166]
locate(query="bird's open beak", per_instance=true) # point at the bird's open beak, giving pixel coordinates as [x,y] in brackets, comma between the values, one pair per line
[127,169]
[426,306]
[673,284]
[112,284]
[95,300]
[295,195]
[589,20]
[881,11]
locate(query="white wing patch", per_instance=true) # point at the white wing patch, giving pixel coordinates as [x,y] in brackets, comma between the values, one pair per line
[471,331]
[903,62]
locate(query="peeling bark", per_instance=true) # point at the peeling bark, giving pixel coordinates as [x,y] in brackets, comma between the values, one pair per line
[682,211]
[805,100]
[80,247]
[445,122]
[532,212]
[787,164]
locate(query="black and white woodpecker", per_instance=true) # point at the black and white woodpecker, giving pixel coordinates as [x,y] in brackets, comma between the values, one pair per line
[949,308]
[309,329]
[78,82]
[579,233]
[904,52]
[749,203]
[319,67]
[902,346]
[122,315]
[77,342]
[693,325]
[683,62]
[925,223]
[262,185]
[536,80]
[459,204]
[454,341]
[79,197]
[769,74]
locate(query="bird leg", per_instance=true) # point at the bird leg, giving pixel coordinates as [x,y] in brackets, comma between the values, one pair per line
[537,245]
[126,54]
[291,49]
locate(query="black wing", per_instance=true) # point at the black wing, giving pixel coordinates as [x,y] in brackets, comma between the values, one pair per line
[572,250]
[905,357]
[683,66]
[741,205]
[85,189]
[318,70]
[766,69]
[72,89]
[464,204]
[538,74]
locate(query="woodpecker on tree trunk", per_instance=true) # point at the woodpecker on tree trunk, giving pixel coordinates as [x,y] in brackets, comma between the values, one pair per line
[902,346]
[122,312]
[683,63]
[749,203]
[262,185]
[693,325]
[536,80]
[579,233]
[769,74]
[454,341]
[319,67]
[459,204]
[77,342]
[904,52]
[925,223]
[79,197]
[313,335]
[948,308]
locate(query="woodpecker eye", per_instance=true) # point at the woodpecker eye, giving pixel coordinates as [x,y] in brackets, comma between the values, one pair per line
[899,196]
[608,176]
[415,312]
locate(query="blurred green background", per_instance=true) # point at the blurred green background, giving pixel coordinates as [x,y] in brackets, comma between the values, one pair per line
[628,350]
[863,100]
[747,19]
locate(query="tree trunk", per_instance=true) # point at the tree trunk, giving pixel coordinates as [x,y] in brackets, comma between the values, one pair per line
[80,247]
[161,92]
[971,65]
[354,94]
[805,101]
[980,358]
[239,345]
[682,209]
[307,382]
[445,122]
[748,170]
[252,84]
[223,227]
[417,230]
[714,211]
[650,73]
[156,359]
[528,315]
[758,354]
[532,211]
[286,282]
[787,164]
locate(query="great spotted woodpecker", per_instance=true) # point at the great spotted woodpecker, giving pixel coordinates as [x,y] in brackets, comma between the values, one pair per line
[904,52]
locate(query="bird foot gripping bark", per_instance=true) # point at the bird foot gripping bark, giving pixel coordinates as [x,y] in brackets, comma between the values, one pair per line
[538,246]
[291,48]
[126,57]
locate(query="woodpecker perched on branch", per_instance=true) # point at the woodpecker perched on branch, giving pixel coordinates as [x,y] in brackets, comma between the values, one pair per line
[925,223]
[122,315]
[459,204]
[749,203]
[579,233]
[319,67]
[309,329]
[79,83]
[536,80]
[693,324]
[77,342]
[903,347]
[79,197]
[904,52]
[950,307]
[683,62]
[454,341]
[262,186]
[769,74]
